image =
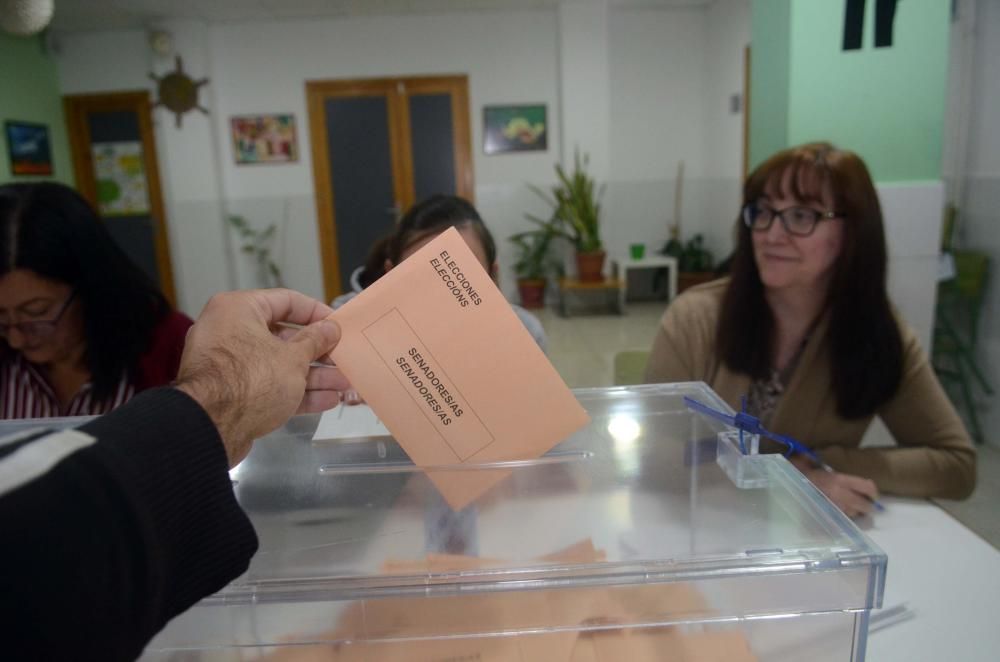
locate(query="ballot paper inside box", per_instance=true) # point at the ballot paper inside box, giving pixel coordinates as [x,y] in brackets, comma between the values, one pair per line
[627,540]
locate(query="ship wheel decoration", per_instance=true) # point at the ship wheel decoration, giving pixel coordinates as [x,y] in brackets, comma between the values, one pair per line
[178,93]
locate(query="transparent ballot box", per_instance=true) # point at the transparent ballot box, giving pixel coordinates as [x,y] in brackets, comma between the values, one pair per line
[641,537]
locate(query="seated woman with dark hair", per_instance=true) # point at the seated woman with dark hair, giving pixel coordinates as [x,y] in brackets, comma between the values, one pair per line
[803,327]
[82,328]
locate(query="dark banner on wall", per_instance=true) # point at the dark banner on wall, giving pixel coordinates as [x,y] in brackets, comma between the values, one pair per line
[854,23]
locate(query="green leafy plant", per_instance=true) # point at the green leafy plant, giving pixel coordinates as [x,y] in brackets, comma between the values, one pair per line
[691,256]
[534,259]
[695,256]
[576,207]
[258,245]
[673,247]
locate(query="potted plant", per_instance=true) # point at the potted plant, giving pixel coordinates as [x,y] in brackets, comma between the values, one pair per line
[534,264]
[576,214]
[257,244]
[696,263]
[696,257]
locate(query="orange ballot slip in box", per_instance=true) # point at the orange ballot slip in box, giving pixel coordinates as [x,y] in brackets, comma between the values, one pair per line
[438,353]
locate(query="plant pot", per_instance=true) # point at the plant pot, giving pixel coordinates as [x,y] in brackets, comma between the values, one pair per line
[532,293]
[590,266]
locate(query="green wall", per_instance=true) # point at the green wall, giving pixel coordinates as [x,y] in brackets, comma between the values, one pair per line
[31,94]
[770,27]
[887,104]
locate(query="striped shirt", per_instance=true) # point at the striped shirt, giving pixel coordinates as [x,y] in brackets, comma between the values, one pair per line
[24,393]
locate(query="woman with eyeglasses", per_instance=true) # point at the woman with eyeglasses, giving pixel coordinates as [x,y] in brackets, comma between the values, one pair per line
[82,328]
[803,328]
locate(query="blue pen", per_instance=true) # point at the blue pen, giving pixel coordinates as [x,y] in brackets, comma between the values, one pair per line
[744,422]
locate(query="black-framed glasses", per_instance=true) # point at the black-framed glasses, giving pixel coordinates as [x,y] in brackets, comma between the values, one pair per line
[38,328]
[797,221]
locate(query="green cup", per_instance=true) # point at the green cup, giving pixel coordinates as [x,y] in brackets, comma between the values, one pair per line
[637,250]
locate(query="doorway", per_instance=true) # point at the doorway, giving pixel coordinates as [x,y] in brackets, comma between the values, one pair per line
[115,164]
[378,146]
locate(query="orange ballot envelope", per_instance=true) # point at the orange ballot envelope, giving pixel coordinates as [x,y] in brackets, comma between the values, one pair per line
[438,353]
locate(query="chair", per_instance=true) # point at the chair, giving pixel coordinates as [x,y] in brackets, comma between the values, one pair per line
[630,367]
[956,331]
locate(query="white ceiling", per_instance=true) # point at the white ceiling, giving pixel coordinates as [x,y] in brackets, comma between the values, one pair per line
[86,15]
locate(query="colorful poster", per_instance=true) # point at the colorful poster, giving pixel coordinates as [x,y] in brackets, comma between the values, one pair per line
[264,139]
[121,179]
[514,129]
[28,145]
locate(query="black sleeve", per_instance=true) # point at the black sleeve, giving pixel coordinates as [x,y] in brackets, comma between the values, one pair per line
[117,538]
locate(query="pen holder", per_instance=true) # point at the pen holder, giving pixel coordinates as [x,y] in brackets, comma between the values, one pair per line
[745,469]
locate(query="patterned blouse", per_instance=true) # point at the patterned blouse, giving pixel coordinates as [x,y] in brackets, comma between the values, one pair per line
[765,394]
[24,393]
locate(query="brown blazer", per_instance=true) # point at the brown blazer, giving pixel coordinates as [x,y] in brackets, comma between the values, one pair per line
[933,457]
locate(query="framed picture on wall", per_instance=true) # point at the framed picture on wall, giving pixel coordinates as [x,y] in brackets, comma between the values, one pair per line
[515,129]
[264,139]
[120,171]
[29,149]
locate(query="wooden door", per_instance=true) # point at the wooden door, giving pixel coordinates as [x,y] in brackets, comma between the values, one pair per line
[115,163]
[378,146]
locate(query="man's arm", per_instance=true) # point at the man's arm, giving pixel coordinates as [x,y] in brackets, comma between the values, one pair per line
[134,522]
[112,530]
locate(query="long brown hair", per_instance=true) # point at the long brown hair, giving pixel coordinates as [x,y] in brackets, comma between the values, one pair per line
[865,342]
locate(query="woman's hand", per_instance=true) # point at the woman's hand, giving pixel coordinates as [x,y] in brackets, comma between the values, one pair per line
[852,494]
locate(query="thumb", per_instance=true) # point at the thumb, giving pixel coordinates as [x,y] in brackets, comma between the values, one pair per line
[317,339]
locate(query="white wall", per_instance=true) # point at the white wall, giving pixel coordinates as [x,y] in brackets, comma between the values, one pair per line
[979,172]
[912,218]
[112,61]
[912,214]
[583,37]
[656,92]
[639,89]
[727,39]
[509,58]
[656,121]
[672,73]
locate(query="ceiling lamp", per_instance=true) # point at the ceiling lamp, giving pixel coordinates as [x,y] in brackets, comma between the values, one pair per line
[25,17]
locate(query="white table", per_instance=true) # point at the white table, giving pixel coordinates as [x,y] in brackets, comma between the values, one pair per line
[947,575]
[621,266]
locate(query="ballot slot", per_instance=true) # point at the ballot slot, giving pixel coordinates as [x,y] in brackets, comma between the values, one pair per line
[553,457]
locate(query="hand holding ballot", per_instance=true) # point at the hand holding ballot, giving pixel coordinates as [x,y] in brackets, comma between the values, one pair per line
[448,367]
[433,347]
[249,378]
